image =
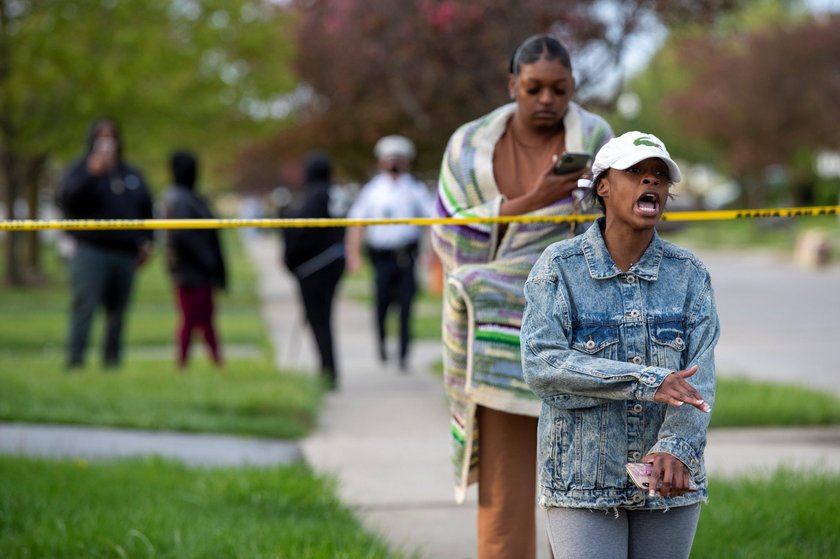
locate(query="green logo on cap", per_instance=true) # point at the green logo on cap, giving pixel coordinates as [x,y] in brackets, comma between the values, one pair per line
[645,142]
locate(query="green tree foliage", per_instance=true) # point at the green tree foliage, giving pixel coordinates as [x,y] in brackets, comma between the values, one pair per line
[766,100]
[755,96]
[205,74]
[423,67]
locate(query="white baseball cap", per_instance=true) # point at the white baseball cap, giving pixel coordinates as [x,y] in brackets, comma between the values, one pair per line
[394,146]
[628,149]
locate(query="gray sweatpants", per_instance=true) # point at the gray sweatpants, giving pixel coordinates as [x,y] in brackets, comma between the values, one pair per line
[600,534]
[99,277]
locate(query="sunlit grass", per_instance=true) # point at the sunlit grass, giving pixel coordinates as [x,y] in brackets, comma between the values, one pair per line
[151,507]
[156,508]
[740,402]
[790,515]
[35,318]
[247,397]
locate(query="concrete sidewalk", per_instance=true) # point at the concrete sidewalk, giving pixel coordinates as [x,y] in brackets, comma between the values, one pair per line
[384,433]
[198,449]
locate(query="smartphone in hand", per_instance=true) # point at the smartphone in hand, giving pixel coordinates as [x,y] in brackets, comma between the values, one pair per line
[103,156]
[640,474]
[570,162]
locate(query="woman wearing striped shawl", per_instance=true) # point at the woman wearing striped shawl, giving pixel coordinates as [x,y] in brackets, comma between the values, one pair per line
[502,164]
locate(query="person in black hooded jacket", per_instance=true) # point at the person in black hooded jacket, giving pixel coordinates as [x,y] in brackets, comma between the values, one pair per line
[316,258]
[101,185]
[194,259]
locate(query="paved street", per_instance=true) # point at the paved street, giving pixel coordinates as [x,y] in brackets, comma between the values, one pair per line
[778,322]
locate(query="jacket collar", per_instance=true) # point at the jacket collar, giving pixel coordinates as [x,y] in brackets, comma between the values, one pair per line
[601,265]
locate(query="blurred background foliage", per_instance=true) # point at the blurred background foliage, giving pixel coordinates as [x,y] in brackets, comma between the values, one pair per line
[744,92]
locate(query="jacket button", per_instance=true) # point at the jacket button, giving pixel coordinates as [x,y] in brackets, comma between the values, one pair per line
[634,313]
[637,408]
[590,344]
[637,498]
[630,278]
[637,360]
[635,455]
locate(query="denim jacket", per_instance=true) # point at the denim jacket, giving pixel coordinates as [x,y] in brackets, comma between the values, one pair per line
[596,344]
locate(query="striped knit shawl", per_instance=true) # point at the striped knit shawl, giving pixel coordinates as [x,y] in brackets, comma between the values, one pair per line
[485,274]
[483,303]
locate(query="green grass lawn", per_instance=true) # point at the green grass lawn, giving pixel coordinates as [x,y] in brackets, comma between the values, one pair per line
[786,516]
[248,396]
[156,508]
[162,509]
[748,403]
[35,318]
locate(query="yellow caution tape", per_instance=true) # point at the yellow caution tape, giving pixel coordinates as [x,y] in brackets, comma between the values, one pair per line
[93,224]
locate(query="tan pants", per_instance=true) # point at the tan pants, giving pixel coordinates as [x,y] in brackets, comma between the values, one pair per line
[507,485]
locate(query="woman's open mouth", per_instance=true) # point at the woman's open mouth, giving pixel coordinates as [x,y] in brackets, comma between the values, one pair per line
[648,204]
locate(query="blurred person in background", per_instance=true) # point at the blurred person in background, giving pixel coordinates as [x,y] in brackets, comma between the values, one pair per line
[315,256]
[499,165]
[194,259]
[392,249]
[101,185]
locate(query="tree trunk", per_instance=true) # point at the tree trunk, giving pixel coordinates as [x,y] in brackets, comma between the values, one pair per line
[34,173]
[9,163]
[13,275]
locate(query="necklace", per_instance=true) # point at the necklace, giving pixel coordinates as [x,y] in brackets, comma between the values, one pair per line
[554,140]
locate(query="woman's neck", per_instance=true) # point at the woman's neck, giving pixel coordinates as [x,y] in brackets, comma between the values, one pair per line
[625,245]
[533,137]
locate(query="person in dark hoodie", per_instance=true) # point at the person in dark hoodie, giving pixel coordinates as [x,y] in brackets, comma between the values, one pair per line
[101,185]
[194,258]
[316,258]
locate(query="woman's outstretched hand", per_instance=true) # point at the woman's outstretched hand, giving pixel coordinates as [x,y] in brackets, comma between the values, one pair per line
[675,391]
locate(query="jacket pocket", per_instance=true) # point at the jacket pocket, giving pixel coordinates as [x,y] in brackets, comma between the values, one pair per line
[596,340]
[667,344]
